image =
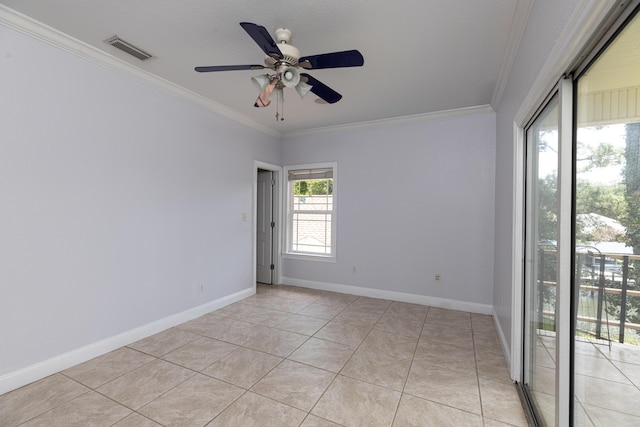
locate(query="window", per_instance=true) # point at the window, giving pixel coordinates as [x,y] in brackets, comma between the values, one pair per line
[311,207]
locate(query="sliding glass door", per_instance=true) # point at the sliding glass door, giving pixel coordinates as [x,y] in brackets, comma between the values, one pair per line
[607,236]
[581,300]
[541,230]
[548,253]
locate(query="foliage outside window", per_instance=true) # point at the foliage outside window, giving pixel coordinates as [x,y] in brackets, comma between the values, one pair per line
[311,210]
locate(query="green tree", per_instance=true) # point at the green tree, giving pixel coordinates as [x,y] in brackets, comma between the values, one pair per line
[597,198]
[300,188]
[548,208]
[603,155]
[601,199]
[631,218]
[313,187]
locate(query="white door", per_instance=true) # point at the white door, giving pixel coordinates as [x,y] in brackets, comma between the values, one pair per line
[264,229]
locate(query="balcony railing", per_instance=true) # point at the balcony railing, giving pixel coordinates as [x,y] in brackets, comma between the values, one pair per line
[604,280]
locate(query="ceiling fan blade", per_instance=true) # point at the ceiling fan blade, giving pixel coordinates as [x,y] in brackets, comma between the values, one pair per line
[323,91]
[347,58]
[228,68]
[261,36]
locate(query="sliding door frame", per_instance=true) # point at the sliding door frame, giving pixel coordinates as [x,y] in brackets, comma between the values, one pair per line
[567,52]
[564,287]
[579,51]
[563,91]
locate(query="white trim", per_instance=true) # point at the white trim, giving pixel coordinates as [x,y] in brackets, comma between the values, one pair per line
[37,371]
[309,257]
[518,26]
[505,344]
[287,207]
[565,253]
[44,33]
[40,31]
[576,34]
[395,121]
[277,203]
[579,29]
[471,307]
[517,251]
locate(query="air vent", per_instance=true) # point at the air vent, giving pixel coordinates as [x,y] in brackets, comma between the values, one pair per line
[127,47]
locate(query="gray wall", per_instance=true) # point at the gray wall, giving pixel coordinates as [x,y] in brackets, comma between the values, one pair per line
[117,201]
[413,200]
[546,23]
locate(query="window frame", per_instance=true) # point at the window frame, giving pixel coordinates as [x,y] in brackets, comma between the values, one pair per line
[289,211]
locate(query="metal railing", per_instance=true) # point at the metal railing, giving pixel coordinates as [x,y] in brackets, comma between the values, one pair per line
[600,274]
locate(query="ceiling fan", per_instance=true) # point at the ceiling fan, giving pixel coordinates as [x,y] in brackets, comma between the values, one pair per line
[285,61]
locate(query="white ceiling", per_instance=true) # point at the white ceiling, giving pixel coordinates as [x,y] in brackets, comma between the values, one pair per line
[421,56]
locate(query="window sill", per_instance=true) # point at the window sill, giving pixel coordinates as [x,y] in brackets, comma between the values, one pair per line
[309,257]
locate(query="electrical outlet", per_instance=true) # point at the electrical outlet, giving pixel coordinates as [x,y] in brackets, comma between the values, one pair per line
[201,287]
[438,277]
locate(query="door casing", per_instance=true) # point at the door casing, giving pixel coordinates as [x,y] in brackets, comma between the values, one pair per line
[277,219]
[265,227]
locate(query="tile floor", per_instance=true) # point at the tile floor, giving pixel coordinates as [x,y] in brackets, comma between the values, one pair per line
[607,382]
[289,357]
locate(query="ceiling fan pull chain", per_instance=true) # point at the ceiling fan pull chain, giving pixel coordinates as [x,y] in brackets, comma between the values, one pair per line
[277,105]
[282,107]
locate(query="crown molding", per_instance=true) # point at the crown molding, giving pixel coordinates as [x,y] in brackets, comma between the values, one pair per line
[518,25]
[582,25]
[40,31]
[395,121]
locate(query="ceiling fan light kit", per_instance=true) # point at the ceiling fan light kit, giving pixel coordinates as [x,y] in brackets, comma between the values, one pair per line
[285,61]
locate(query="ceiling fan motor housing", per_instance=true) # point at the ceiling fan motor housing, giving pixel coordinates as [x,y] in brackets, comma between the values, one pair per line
[290,53]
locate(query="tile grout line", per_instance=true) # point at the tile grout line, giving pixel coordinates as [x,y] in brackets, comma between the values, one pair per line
[351,304]
[337,374]
[475,359]
[415,351]
[272,369]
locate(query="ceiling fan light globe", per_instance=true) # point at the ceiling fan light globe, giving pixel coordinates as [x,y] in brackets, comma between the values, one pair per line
[303,89]
[290,77]
[261,82]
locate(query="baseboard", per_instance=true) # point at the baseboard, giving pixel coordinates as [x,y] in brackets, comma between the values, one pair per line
[471,307]
[37,371]
[506,348]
